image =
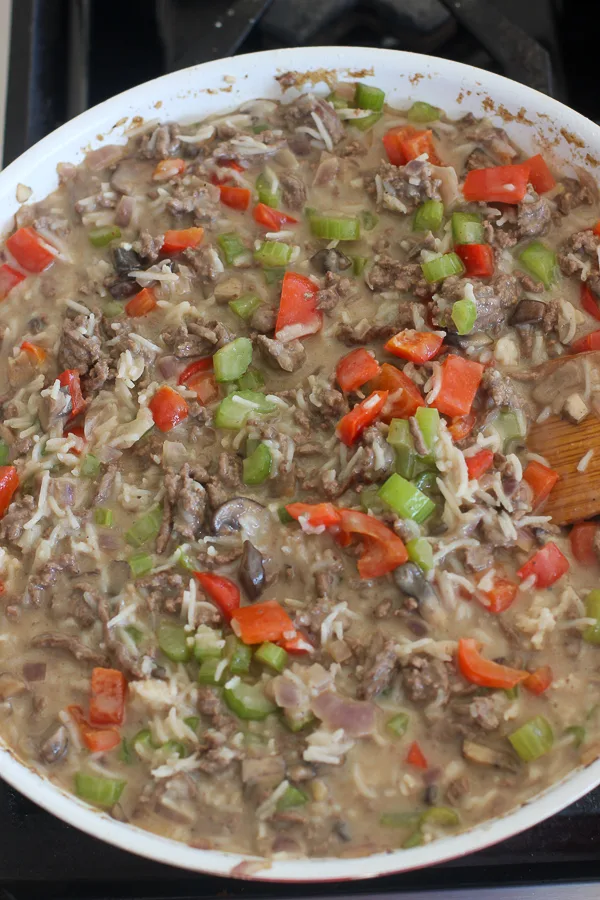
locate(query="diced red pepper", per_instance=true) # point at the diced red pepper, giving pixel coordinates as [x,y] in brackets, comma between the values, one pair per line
[9,278]
[226,176]
[478,259]
[355,369]
[404,397]
[351,426]
[415,756]
[539,681]
[383,550]
[70,379]
[589,301]
[141,303]
[460,380]
[392,141]
[107,699]
[485,672]
[498,184]
[168,168]
[540,176]
[479,463]
[590,342]
[297,646]
[582,542]
[540,479]
[461,427]
[405,143]
[416,346]
[198,377]
[298,315]
[29,250]
[261,622]
[548,565]
[596,228]
[9,482]
[168,408]
[271,218]
[78,431]
[235,197]
[501,596]
[315,515]
[177,241]
[36,353]
[97,740]
[223,592]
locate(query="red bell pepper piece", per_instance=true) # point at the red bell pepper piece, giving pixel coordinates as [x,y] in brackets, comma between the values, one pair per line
[416,346]
[484,672]
[9,482]
[539,681]
[298,315]
[261,622]
[9,278]
[501,596]
[314,515]
[404,397]
[226,176]
[461,427]
[36,353]
[355,369]
[297,646]
[383,550]
[548,565]
[141,303]
[589,301]
[596,228]
[582,543]
[590,342]
[177,241]
[415,756]
[168,168]
[460,380]
[29,250]
[70,379]
[498,184]
[540,176]
[271,218]
[406,142]
[392,140]
[478,259]
[479,463]
[97,740]
[198,377]
[235,197]
[351,426]
[78,431]
[107,700]
[223,592]
[168,408]
[540,479]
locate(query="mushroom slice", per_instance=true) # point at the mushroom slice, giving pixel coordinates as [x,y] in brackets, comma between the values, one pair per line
[252,571]
[55,747]
[487,756]
[228,517]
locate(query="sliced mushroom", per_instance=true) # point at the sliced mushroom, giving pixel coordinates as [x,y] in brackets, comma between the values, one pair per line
[527,312]
[55,747]
[125,260]
[227,290]
[330,261]
[10,686]
[228,516]
[487,756]
[411,580]
[252,571]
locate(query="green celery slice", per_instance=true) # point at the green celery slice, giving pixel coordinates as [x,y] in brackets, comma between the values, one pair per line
[405,499]
[232,360]
[273,254]
[533,739]
[245,305]
[231,413]
[265,192]
[442,267]
[422,112]
[398,724]
[101,237]
[230,246]
[271,655]
[464,314]
[140,563]
[335,228]
[293,797]
[248,701]
[429,216]
[239,656]
[420,552]
[207,673]
[173,641]
[368,97]
[98,790]
[467,228]
[540,260]
[145,528]
[256,468]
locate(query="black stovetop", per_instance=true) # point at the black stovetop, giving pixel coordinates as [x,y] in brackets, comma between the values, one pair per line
[67,55]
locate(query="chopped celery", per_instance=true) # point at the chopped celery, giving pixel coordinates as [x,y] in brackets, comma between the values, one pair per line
[533,739]
[273,274]
[293,797]
[415,840]
[266,194]
[145,528]
[336,101]
[367,97]
[239,656]
[591,634]
[143,742]
[245,305]
[251,380]
[233,410]
[174,748]
[442,267]
[258,129]
[358,264]
[273,253]
[101,237]
[208,674]
[365,122]
[112,308]
[427,483]
[335,228]
[467,228]
[173,641]
[125,753]
[420,552]
[405,499]
[399,433]
[90,466]
[98,790]
[140,563]
[184,560]
[398,724]
[4,453]
[284,516]
[400,438]
[429,216]
[135,634]
[232,360]
[208,644]
[511,424]
[428,420]
[103,516]
[230,246]
[192,722]
[369,220]
[541,262]
[297,720]
[400,819]
[578,733]
[422,112]
[464,314]
[440,815]
[256,468]
[271,655]
[248,701]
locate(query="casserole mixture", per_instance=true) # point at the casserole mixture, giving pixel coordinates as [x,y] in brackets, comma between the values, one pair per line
[276,573]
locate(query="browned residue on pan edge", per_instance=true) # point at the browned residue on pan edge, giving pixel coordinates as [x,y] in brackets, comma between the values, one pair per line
[314,76]
[571,138]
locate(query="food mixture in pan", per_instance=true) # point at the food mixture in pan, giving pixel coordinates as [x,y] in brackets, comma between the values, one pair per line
[276,572]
